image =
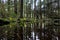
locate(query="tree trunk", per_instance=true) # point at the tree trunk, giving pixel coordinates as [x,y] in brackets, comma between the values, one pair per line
[40,22]
[21,16]
[15,6]
[8,5]
[8,8]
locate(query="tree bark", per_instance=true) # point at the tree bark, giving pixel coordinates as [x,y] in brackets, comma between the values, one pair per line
[21,16]
[15,6]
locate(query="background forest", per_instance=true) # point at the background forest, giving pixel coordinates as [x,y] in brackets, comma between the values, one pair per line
[30,19]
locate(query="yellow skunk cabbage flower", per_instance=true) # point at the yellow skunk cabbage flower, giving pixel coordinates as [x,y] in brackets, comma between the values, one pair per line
[24,18]
[11,18]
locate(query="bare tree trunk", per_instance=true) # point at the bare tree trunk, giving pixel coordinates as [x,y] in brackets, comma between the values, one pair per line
[40,22]
[0,8]
[21,16]
[35,18]
[21,8]
[8,7]
[15,6]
